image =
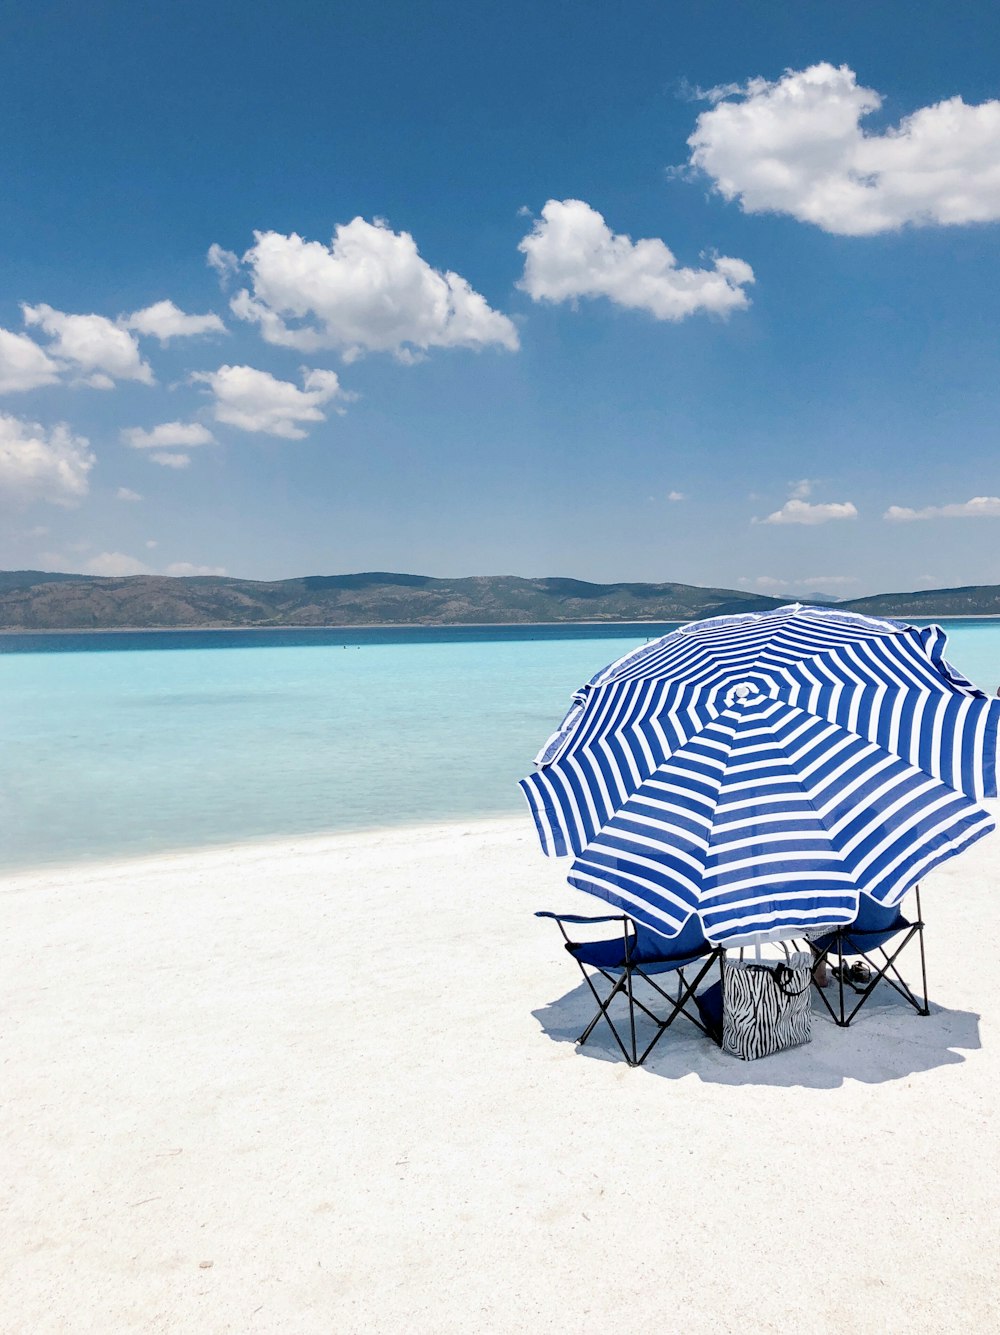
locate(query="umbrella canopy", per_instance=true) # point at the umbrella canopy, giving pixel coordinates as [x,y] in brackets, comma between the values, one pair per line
[764,770]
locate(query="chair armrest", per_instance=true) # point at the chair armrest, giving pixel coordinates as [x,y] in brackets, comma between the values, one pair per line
[575,917]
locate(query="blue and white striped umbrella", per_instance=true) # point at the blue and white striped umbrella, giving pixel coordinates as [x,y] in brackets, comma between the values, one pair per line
[764,770]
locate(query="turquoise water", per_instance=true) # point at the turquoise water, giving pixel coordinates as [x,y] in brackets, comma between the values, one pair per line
[113,745]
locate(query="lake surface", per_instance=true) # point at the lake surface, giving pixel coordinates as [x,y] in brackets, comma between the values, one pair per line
[115,744]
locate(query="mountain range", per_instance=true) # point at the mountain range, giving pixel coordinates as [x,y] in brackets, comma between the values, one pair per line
[40,600]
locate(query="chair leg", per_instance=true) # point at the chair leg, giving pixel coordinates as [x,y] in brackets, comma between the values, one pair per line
[845,944]
[631,1012]
[602,1011]
[624,985]
[923,957]
[897,983]
[822,957]
[842,1019]
[618,985]
[685,993]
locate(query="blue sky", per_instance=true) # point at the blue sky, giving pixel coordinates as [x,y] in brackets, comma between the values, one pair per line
[699,292]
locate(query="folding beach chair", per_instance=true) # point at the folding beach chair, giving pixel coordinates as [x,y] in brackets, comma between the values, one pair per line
[638,954]
[869,938]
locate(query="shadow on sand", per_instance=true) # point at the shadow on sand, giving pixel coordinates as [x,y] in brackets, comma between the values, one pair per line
[887,1041]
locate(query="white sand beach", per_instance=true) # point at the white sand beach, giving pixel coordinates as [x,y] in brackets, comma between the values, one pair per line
[329,1086]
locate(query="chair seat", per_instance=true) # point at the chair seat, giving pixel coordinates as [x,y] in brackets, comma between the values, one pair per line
[610,955]
[858,937]
[647,950]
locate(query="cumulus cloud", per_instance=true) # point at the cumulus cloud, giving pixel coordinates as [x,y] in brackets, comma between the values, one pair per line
[115,564]
[168,435]
[171,460]
[571,252]
[224,262]
[980,507]
[369,291]
[164,320]
[179,569]
[40,465]
[796,511]
[127,494]
[676,496]
[254,400]
[100,350]
[797,146]
[23,364]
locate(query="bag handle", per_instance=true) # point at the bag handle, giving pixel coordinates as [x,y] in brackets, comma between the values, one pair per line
[787,971]
[782,943]
[780,975]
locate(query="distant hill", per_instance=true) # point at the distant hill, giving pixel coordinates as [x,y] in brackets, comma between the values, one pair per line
[972,600]
[35,600]
[26,579]
[41,600]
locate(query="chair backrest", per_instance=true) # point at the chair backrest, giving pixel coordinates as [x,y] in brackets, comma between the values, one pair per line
[874,917]
[651,945]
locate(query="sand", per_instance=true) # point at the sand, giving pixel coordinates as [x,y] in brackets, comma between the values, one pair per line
[329,1085]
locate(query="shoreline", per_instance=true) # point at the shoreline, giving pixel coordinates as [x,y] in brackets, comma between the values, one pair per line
[923,619]
[320,843]
[363,625]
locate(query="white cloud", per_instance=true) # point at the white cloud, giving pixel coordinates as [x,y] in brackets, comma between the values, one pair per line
[168,435]
[180,568]
[797,146]
[801,512]
[23,364]
[815,582]
[980,507]
[119,564]
[165,439]
[151,543]
[571,252]
[224,262]
[369,291]
[101,350]
[254,400]
[762,582]
[127,494]
[676,496]
[40,465]
[115,564]
[164,320]
[801,490]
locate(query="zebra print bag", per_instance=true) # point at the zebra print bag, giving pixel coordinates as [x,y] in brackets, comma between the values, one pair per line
[767,1004]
